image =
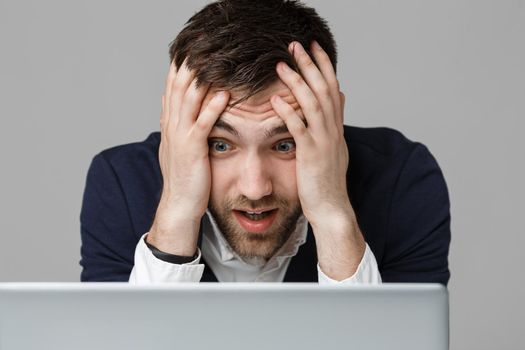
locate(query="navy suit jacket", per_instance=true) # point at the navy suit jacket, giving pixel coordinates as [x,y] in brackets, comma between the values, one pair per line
[395,186]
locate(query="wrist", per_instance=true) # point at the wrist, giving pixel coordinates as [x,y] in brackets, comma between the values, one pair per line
[178,237]
[341,223]
[176,208]
[340,248]
[171,258]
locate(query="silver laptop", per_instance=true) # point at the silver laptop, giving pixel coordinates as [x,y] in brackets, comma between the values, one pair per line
[222,316]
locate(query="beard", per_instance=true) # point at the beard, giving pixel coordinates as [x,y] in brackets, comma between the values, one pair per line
[250,244]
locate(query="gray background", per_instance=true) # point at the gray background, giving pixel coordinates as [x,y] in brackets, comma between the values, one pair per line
[78,77]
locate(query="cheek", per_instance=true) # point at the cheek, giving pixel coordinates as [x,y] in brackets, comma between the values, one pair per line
[285,180]
[222,177]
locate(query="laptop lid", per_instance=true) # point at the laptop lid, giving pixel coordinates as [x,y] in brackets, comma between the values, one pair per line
[223,316]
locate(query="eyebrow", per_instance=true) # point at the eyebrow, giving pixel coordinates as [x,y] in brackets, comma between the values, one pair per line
[222,124]
[277,130]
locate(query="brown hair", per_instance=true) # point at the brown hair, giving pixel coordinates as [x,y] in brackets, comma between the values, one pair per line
[236,44]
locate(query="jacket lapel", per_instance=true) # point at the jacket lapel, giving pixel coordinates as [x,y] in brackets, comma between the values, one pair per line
[303,267]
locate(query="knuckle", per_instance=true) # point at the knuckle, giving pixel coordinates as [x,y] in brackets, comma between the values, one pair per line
[176,86]
[333,82]
[308,63]
[315,107]
[323,90]
[296,79]
[342,98]
[305,60]
[191,96]
[323,57]
[299,129]
[201,125]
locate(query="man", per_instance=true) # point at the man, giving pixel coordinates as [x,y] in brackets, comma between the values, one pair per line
[254,177]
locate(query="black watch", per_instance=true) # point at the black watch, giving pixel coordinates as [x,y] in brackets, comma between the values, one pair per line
[171,258]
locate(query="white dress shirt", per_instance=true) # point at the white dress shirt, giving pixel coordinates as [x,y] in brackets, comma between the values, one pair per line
[228,266]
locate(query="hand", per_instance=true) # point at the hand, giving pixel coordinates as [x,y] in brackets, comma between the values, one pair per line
[321,158]
[183,156]
[322,154]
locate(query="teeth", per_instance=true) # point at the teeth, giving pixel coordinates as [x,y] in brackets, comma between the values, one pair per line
[256,215]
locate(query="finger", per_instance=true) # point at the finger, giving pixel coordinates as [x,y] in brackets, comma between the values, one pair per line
[325,66]
[179,86]
[296,126]
[327,70]
[191,104]
[169,78]
[306,98]
[313,78]
[207,118]
[167,92]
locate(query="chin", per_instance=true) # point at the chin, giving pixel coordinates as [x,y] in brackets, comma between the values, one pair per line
[250,247]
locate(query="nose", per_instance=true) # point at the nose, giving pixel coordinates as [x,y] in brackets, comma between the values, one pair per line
[254,178]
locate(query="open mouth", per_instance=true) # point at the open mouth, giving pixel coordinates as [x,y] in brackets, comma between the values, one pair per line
[255,221]
[256,216]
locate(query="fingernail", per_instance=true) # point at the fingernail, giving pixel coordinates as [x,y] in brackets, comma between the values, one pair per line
[283,67]
[299,48]
[315,45]
[277,99]
[220,95]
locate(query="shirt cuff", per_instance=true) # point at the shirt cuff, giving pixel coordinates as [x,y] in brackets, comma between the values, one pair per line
[367,272]
[150,269]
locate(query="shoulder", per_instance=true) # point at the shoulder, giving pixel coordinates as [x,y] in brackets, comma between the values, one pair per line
[139,157]
[127,178]
[133,165]
[376,154]
[383,145]
[121,155]
[381,141]
[379,157]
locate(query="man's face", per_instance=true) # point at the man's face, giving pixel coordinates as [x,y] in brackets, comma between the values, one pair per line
[254,190]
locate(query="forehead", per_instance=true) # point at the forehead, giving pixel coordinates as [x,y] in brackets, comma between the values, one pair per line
[257,109]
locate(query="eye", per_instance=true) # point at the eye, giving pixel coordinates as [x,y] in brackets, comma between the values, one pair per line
[285,146]
[219,146]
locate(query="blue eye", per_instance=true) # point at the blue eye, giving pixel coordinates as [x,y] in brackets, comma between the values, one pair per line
[285,146]
[219,146]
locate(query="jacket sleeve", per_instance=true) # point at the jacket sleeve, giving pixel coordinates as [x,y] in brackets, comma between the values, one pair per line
[106,229]
[418,235]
